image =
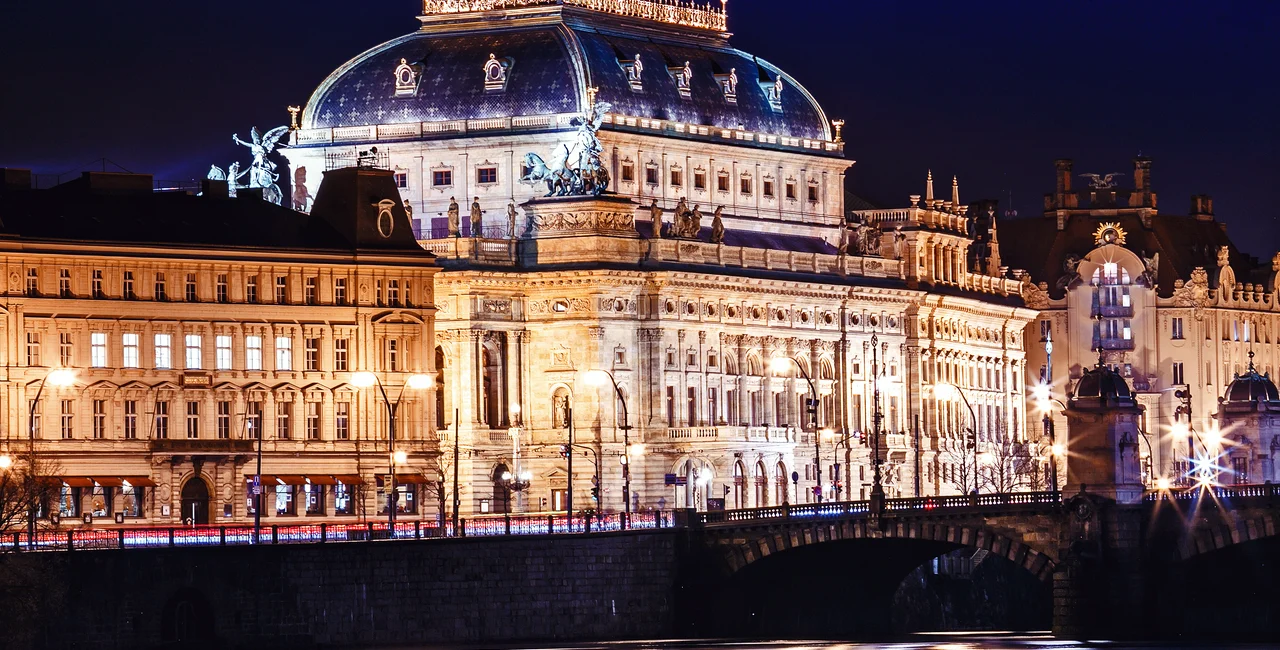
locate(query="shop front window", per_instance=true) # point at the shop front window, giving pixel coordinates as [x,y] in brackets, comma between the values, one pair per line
[285,502]
[315,499]
[131,500]
[100,502]
[69,503]
[344,500]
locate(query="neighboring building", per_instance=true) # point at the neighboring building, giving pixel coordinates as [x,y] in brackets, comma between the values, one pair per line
[198,325]
[1166,300]
[688,325]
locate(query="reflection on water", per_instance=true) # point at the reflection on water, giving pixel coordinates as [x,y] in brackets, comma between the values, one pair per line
[923,641]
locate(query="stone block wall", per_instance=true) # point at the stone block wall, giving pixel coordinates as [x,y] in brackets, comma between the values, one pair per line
[606,586]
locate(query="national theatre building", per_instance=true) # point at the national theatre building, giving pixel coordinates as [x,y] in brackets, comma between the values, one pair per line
[661,321]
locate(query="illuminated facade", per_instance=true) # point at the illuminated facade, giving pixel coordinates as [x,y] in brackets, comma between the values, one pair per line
[198,326]
[688,319]
[1165,300]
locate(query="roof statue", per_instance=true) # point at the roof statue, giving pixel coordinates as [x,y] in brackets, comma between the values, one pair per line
[1101,182]
[574,169]
[262,172]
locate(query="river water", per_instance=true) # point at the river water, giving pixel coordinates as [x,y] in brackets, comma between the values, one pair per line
[925,641]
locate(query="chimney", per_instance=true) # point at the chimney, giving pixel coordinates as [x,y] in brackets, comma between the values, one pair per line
[14,179]
[214,189]
[117,182]
[1202,207]
[1065,198]
[1142,196]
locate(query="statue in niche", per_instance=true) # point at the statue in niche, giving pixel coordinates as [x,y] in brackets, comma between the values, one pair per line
[476,215]
[453,217]
[655,214]
[717,226]
[560,409]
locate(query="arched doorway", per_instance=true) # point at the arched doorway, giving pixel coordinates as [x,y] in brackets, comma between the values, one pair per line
[195,501]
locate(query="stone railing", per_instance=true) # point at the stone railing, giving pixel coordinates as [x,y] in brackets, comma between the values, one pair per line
[846,508]
[693,433]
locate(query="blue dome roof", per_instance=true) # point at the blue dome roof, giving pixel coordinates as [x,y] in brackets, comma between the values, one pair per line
[551,65]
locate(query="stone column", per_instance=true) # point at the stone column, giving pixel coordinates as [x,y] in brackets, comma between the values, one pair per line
[681,402]
[650,364]
[766,384]
[744,407]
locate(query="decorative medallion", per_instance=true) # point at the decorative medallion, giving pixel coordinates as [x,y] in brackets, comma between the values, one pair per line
[1109,233]
[386,222]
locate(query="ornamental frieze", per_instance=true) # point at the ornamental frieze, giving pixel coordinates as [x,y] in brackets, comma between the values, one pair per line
[579,221]
[497,307]
[559,306]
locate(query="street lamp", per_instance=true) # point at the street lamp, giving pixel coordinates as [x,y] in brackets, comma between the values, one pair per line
[602,378]
[517,482]
[57,377]
[1044,399]
[412,382]
[950,391]
[780,365]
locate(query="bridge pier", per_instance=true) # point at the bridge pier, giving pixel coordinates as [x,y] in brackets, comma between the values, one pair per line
[1099,585]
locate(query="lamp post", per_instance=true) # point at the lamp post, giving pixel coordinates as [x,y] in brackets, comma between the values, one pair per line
[955,390]
[517,482]
[877,420]
[415,382]
[1043,397]
[597,378]
[780,364]
[58,377]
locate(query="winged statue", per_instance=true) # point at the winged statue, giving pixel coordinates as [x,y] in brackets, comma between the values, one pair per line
[262,171]
[1100,181]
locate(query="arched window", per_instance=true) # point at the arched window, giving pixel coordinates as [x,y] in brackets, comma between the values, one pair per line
[762,485]
[491,408]
[739,485]
[753,366]
[826,370]
[730,365]
[780,479]
[501,500]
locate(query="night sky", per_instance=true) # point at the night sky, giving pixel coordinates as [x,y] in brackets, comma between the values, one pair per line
[991,91]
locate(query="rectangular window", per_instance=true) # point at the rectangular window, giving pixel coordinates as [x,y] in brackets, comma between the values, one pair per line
[34,408]
[285,504]
[65,346]
[408,293]
[68,419]
[744,185]
[164,359]
[402,180]
[377,292]
[651,175]
[69,502]
[313,420]
[222,345]
[341,420]
[340,291]
[131,500]
[722,182]
[33,348]
[251,289]
[313,355]
[130,419]
[699,180]
[127,289]
[191,288]
[162,420]
[393,355]
[813,193]
[253,419]
[1178,375]
[221,288]
[195,351]
[64,283]
[193,420]
[284,353]
[98,349]
[224,420]
[99,419]
[253,353]
[487,175]
[340,355]
[767,188]
[677,178]
[311,291]
[33,283]
[130,348]
[393,293]
[1046,329]
[284,415]
[791,191]
[97,284]
[442,178]
[343,500]
[1177,328]
[671,406]
[315,499]
[282,290]
[160,293]
[628,173]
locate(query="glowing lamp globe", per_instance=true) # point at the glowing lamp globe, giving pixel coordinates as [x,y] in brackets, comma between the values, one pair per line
[363,379]
[418,382]
[596,378]
[61,377]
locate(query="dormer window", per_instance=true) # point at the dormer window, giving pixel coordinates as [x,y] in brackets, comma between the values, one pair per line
[496,72]
[406,79]
[682,75]
[633,67]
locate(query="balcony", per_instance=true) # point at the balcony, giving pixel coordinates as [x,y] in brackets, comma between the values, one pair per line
[1113,344]
[187,446]
[693,433]
[1114,311]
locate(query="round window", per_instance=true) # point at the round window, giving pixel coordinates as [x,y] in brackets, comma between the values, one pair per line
[732,311]
[670,307]
[804,317]
[711,310]
[855,319]
[690,308]
[755,313]
[828,318]
[875,320]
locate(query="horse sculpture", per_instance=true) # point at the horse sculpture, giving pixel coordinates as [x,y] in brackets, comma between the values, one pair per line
[573,169]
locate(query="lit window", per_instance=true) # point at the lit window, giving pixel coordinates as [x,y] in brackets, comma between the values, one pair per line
[130,347]
[98,349]
[193,420]
[194,343]
[253,353]
[340,291]
[313,354]
[284,353]
[164,360]
[340,355]
[222,344]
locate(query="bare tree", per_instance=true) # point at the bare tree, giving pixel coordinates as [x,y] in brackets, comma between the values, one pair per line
[27,487]
[1006,465]
[957,469]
